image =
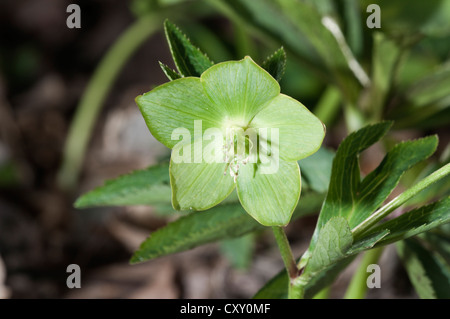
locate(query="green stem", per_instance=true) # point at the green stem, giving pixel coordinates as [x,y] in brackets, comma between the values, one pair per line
[288,259]
[285,251]
[358,286]
[295,292]
[297,287]
[94,96]
[368,223]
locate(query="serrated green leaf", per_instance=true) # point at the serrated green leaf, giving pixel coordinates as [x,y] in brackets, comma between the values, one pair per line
[367,242]
[333,242]
[415,222]
[376,186]
[326,276]
[276,64]
[334,254]
[428,272]
[141,187]
[171,74]
[345,173]
[189,60]
[362,198]
[226,221]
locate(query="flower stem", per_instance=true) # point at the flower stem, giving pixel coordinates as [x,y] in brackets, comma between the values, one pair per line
[368,223]
[286,255]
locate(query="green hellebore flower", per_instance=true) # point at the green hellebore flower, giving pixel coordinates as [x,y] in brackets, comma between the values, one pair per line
[234,98]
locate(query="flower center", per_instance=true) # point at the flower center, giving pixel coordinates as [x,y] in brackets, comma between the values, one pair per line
[238,148]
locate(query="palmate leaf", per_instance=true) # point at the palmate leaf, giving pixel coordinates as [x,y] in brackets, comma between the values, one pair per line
[354,199]
[189,60]
[350,200]
[333,259]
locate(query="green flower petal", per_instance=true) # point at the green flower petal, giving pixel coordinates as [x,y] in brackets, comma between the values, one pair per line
[269,198]
[198,186]
[177,104]
[300,132]
[241,88]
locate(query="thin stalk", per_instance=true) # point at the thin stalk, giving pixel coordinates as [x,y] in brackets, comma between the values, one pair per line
[285,251]
[357,288]
[95,94]
[289,262]
[297,287]
[368,223]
